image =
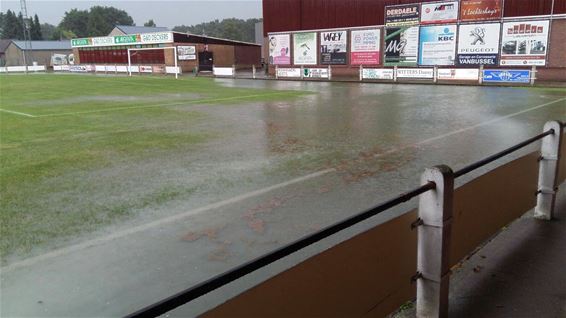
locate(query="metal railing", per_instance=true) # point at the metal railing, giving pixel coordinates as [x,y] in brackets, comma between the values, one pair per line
[218,281]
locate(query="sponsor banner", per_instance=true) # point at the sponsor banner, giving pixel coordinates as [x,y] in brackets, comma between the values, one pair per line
[524,43]
[223,71]
[173,70]
[122,69]
[365,47]
[507,76]
[111,68]
[423,73]
[304,45]
[100,68]
[288,72]
[437,45]
[145,69]
[401,46]
[461,74]
[187,53]
[333,47]
[315,73]
[158,69]
[477,10]
[60,67]
[81,68]
[279,49]
[146,38]
[439,12]
[478,44]
[378,73]
[400,15]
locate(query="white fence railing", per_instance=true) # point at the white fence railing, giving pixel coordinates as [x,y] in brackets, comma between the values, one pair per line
[20,69]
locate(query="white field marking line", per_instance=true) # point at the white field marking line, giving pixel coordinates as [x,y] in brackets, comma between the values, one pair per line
[17,113]
[173,218]
[170,219]
[197,101]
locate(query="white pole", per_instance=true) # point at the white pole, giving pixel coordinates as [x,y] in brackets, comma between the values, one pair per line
[129,63]
[548,171]
[176,67]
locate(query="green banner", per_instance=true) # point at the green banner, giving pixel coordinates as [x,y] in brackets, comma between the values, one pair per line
[80,42]
[122,39]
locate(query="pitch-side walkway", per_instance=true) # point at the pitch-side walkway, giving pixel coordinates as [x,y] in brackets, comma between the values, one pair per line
[520,273]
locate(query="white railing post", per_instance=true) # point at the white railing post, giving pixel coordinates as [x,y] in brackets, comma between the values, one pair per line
[233,71]
[435,74]
[302,72]
[481,75]
[361,73]
[548,171]
[433,266]
[276,72]
[253,71]
[329,72]
[533,75]
[395,73]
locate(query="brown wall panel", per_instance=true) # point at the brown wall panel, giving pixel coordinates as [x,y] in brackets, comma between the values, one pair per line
[488,203]
[247,55]
[369,274]
[557,47]
[517,8]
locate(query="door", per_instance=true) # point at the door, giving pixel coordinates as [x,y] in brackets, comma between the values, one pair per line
[206,60]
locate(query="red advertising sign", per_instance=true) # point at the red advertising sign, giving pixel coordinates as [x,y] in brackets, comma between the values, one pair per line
[475,10]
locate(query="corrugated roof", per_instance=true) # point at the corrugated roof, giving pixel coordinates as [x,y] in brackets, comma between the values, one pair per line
[127,29]
[45,45]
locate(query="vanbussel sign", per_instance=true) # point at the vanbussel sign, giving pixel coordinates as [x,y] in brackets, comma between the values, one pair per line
[130,39]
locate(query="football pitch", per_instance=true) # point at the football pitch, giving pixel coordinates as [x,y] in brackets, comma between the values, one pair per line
[55,129]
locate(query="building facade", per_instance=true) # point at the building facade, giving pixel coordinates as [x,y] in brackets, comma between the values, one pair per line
[39,52]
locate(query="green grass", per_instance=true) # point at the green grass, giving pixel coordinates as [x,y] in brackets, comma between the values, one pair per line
[83,124]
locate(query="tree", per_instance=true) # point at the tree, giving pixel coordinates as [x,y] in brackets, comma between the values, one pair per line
[20,27]
[48,32]
[233,29]
[75,21]
[103,19]
[35,29]
[10,26]
[149,23]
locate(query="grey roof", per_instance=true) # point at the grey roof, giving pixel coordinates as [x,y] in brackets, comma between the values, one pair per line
[127,29]
[45,45]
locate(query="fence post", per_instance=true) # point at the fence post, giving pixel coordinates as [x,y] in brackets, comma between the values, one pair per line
[395,73]
[329,72]
[435,74]
[533,75]
[361,73]
[276,71]
[481,75]
[253,71]
[548,171]
[233,70]
[302,72]
[433,267]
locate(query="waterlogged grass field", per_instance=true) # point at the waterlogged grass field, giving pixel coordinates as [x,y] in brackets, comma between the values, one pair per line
[65,138]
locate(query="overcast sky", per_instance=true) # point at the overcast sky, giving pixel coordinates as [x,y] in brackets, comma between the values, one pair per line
[164,13]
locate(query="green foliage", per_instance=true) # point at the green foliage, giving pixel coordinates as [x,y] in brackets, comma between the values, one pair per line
[150,23]
[11,27]
[233,29]
[98,21]
[49,31]
[35,29]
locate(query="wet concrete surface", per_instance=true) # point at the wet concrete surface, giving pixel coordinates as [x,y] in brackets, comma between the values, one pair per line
[276,172]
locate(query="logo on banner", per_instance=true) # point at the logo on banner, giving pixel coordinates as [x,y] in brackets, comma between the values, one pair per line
[446,35]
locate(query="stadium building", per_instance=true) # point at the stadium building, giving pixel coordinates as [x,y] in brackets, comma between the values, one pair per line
[349,35]
[149,52]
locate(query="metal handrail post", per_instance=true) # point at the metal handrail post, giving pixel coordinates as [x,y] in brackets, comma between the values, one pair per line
[433,267]
[548,170]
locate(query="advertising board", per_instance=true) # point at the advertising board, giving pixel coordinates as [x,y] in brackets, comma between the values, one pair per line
[459,74]
[507,76]
[402,15]
[315,73]
[477,10]
[305,51]
[378,73]
[186,52]
[223,71]
[416,73]
[437,45]
[81,68]
[524,43]
[478,44]
[439,12]
[145,69]
[145,38]
[333,47]
[288,72]
[279,49]
[401,46]
[365,47]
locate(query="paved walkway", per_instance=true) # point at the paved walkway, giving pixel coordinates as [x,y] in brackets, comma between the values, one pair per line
[520,273]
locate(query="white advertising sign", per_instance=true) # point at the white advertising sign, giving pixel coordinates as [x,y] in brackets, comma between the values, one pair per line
[524,43]
[424,73]
[463,74]
[365,47]
[223,71]
[279,49]
[187,53]
[333,47]
[437,45]
[158,37]
[305,48]
[377,73]
[439,12]
[146,69]
[478,44]
[288,72]
[316,73]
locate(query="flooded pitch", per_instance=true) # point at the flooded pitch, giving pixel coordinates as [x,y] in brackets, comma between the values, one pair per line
[274,172]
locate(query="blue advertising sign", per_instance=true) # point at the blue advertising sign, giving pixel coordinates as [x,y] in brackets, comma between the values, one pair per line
[507,76]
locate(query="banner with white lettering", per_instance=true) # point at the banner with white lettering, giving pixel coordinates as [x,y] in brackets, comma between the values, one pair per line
[401,15]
